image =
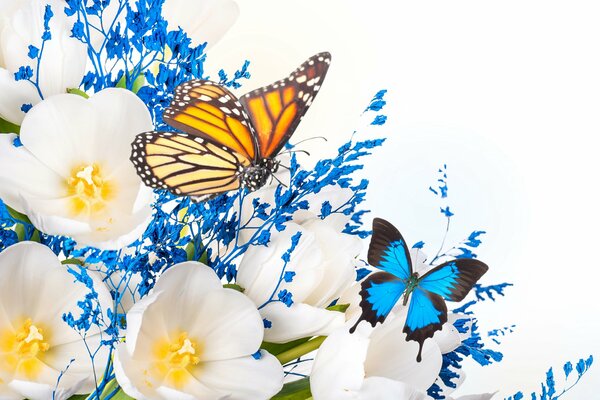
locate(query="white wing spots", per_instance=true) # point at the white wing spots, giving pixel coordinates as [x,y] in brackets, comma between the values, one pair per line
[317,87]
[320,58]
[311,62]
[301,79]
[306,97]
[224,99]
[204,97]
[300,94]
[237,112]
[226,110]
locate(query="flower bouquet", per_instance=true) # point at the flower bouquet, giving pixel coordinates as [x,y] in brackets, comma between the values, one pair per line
[164,238]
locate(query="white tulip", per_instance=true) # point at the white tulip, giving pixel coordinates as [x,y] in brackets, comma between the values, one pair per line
[72,176]
[323,267]
[36,345]
[63,59]
[193,339]
[374,364]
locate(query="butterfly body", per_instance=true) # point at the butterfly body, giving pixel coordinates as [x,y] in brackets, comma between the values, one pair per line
[226,143]
[257,175]
[424,294]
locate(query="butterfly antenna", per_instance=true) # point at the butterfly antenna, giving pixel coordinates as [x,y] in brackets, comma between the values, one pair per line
[310,138]
[277,179]
[295,151]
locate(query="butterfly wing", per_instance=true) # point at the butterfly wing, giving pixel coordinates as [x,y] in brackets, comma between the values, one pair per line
[205,109]
[453,279]
[186,165]
[379,292]
[388,250]
[427,312]
[276,110]
[426,315]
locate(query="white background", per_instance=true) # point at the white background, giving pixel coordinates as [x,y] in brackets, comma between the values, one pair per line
[507,94]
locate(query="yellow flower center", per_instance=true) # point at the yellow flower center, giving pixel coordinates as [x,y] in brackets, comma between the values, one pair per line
[89,190]
[175,359]
[22,349]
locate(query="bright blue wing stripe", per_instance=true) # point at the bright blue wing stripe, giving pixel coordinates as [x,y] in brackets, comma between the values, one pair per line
[442,281]
[422,311]
[383,296]
[395,260]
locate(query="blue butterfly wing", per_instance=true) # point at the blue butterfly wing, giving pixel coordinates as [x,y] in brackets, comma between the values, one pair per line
[426,315]
[454,279]
[427,311]
[379,293]
[388,250]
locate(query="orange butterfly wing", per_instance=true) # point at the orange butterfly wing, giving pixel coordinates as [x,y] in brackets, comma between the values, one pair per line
[186,165]
[205,109]
[276,110]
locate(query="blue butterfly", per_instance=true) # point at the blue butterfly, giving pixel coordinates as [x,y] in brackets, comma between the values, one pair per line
[427,311]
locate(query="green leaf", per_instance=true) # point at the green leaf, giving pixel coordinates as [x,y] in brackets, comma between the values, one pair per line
[297,390]
[234,287]
[278,348]
[190,251]
[137,83]
[339,307]
[20,231]
[17,215]
[72,261]
[78,92]
[78,397]
[8,127]
[303,349]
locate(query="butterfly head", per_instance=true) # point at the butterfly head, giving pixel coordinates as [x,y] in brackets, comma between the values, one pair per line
[256,176]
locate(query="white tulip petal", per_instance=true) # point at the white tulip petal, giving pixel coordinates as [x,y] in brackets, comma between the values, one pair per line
[338,370]
[448,339]
[23,175]
[34,284]
[6,393]
[53,132]
[244,378]
[192,391]
[124,116]
[376,388]
[188,278]
[299,321]
[49,216]
[233,329]
[14,95]
[129,375]
[117,229]
[44,391]
[202,20]
[144,327]
[391,356]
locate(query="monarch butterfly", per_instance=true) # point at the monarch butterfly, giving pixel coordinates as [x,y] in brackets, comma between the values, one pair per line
[227,143]
[427,310]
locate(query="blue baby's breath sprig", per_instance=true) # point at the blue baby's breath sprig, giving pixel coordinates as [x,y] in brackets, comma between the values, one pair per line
[548,388]
[35,53]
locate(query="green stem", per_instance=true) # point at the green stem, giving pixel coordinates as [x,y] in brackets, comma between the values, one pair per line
[300,350]
[110,386]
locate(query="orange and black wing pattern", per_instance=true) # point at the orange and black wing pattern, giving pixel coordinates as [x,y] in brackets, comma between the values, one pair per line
[205,109]
[276,110]
[186,165]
